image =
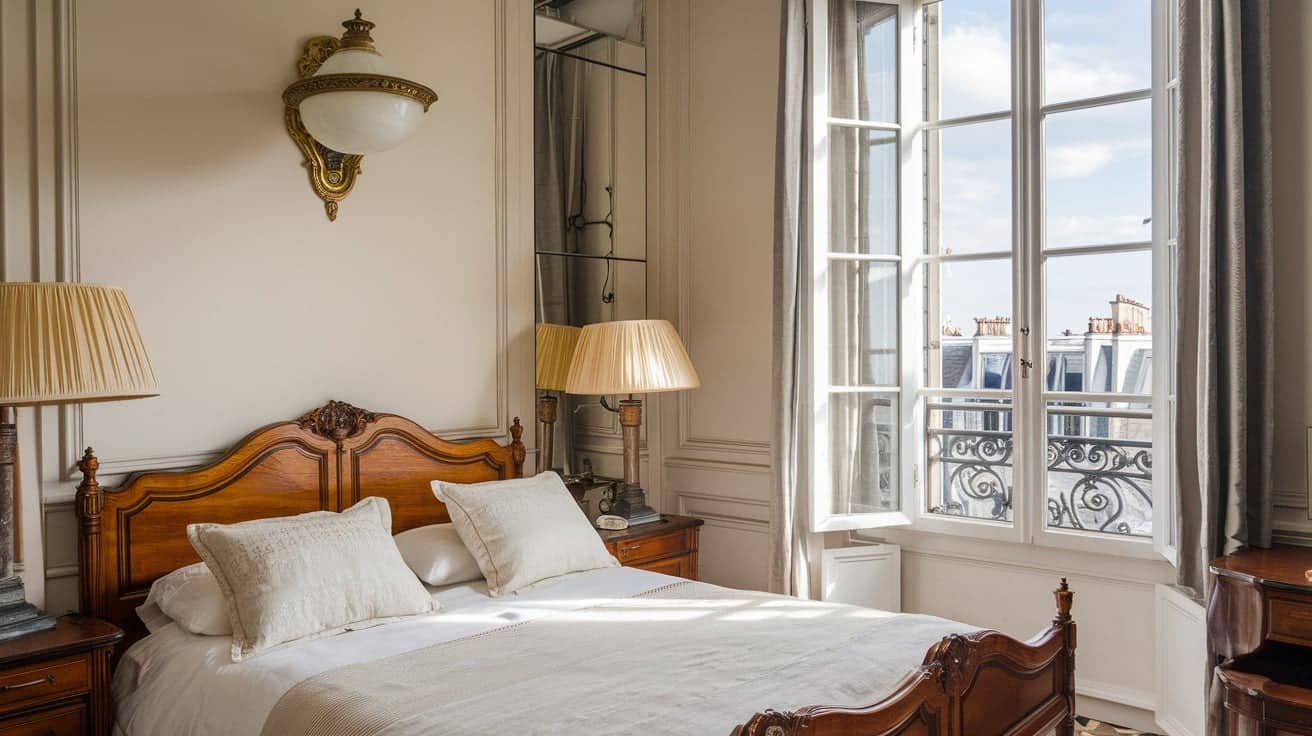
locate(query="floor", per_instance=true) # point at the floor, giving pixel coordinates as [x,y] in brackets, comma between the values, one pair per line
[1089,727]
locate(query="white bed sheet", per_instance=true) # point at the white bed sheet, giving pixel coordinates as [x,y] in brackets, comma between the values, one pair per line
[176,683]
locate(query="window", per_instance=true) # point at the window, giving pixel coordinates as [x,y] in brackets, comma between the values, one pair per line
[991,268]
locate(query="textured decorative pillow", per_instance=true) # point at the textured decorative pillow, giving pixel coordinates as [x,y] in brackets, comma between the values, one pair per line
[310,575]
[191,597]
[437,555]
[523,530]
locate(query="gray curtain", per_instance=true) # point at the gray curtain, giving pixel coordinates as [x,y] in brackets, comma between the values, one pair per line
[1224,367]
[789,569]
[1226,351]
[551,149]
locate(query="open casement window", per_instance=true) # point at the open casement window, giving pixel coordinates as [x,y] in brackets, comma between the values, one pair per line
[991,231]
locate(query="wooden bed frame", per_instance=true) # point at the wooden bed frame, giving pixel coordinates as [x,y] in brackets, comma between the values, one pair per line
[984,684]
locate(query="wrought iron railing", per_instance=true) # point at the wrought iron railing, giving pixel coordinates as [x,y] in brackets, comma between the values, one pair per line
[1099,484]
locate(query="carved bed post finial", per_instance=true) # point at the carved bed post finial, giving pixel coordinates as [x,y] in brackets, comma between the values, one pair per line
[90,502]
[1064,598]
[517,450]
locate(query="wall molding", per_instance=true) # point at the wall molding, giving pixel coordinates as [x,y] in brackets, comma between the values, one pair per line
[1110,577]
[508,137]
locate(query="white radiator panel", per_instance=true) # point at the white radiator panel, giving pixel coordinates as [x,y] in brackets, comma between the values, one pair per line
[868,575]
[1181,663]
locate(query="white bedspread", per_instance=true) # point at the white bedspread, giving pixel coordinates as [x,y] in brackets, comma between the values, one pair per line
[176,683]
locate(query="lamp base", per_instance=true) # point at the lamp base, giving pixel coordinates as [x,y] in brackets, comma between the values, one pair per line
[631,504]
[17,616]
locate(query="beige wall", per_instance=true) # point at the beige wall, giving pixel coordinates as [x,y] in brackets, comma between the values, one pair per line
[181,185]
[716,71]
[1291,109]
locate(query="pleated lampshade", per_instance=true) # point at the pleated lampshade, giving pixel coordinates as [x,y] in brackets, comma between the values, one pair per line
[640,356]
[63,343]
[555,351]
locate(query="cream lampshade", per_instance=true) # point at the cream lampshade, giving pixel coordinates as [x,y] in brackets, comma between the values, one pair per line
[630,357]
[555,350]
[59,343]
[641,356]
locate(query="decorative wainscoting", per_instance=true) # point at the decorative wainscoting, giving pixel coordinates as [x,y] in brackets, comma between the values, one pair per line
[254,307]
[711,275]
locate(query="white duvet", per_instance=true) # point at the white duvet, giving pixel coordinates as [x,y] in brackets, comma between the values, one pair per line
[174,683]
[683,658]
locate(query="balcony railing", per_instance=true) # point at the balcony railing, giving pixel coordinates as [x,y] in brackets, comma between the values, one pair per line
[1095,483]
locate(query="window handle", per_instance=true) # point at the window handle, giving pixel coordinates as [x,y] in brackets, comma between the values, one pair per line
[1025,365]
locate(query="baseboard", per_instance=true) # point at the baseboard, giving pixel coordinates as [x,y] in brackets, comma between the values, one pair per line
[1118,713]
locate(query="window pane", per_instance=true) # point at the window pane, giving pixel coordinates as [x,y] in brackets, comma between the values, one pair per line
[1100,468]
[968,182]
[863,60]
[863,170]
[967,58]
[1096,48]
[969,458]
[863,319]
[968,316]
[863,428]
[1098,175]
[1099,322]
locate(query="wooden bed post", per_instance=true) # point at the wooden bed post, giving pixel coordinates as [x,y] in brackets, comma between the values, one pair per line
[1064,623]
[90,502]
[517,450]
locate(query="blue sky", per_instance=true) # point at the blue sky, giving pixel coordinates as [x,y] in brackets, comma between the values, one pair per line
[1098,162]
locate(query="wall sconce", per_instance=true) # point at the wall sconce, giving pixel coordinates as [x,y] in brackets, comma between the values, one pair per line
[347,104]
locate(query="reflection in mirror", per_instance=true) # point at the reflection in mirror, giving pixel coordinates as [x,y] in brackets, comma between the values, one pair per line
[590,175]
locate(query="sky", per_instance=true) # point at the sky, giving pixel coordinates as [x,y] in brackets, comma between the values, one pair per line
[1098,162]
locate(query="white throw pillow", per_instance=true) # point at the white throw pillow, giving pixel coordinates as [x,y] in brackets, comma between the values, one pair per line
[524,530]
[311,575]
[191,597]
[437,555]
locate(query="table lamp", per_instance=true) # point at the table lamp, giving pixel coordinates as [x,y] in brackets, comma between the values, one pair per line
[641,356]
[59,344]
[555,350]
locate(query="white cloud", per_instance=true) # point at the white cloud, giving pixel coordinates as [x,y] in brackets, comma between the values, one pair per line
[1079,159]
[1087,230]
[976,69]
[1071,73]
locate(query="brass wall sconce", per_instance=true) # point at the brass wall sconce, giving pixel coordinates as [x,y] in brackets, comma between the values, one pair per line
[347,104]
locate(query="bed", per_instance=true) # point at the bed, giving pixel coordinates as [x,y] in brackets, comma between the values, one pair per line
[616,650]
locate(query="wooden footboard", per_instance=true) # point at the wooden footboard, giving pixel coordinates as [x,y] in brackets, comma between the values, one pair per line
[981,684]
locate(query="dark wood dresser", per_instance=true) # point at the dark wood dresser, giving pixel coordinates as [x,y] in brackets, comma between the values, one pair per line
[1259,625]
[668,546]
[56,682]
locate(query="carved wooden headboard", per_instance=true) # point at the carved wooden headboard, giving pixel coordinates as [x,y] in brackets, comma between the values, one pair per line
[326,460]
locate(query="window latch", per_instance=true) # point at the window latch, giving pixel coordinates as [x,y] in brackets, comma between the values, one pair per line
[1025,365]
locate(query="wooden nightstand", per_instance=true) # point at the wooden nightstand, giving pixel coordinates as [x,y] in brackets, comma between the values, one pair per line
[56,682]
[668,546]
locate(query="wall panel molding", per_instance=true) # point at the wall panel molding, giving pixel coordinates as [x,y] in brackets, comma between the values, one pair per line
[513,208]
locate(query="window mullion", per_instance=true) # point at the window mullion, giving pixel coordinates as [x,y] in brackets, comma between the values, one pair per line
[1027,87]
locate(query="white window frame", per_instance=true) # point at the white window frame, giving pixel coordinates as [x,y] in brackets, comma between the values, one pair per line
[1027,113]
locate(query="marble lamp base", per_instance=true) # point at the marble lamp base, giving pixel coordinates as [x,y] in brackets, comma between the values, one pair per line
[17,616]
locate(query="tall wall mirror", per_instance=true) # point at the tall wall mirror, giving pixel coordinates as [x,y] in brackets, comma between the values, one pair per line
[590,142]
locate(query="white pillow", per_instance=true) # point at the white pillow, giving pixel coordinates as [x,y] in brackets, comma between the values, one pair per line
[308,576]
[437,555]
[524,530]
[191,597]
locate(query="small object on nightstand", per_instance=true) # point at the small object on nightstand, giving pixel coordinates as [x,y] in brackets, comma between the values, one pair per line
[57,681]
[668,545]
[612,523]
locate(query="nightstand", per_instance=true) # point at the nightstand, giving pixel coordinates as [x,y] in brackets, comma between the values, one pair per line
[56,682]
[667,546]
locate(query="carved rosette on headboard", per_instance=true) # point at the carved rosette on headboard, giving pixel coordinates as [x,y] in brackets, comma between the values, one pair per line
[337,421]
